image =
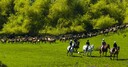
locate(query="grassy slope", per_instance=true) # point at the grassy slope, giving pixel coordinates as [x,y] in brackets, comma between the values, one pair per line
[53,55]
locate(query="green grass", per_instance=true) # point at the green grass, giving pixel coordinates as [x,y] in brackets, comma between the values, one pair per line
[54,55]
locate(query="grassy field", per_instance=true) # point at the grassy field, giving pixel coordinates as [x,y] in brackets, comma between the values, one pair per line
[54,55]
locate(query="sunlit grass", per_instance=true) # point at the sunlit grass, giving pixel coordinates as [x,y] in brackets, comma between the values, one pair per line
[54,55]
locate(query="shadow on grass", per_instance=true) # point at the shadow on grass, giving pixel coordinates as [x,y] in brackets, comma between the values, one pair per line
[106,56]
[95,56]
[99,56]
[126,59]
[77,56]
[2,65]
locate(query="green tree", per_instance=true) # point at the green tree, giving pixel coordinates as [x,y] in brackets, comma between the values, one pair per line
[6,8]
[104,22]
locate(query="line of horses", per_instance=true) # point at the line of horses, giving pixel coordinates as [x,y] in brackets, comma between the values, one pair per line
[95,32]
[27,39]
[12,38]
[88,52]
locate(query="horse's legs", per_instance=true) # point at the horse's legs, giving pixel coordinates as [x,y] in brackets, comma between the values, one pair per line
[71,53]
[105,53]
[100,53]
[76,49]
[114,56]
[85,52]
[90,53]
[67,52]
[117,56]
[111,56]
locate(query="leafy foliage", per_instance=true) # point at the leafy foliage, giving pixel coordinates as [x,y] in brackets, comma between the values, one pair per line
[45,16]
[104,22]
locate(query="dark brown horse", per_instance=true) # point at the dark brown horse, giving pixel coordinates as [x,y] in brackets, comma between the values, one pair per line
[114,53]
[104,50]
[76,46]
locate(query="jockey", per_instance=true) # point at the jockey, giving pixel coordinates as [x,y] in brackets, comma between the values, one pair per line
[114,46]
[70,44]
[75,41]
[103,44]
[88,44]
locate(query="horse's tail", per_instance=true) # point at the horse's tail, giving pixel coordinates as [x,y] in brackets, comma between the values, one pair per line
[68,48]
[111,50]
[84,47]
[108,46]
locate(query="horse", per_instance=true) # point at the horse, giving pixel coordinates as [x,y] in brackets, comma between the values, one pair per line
[114,53]
[70,49]
[76,46]
[51,40]
[89,50]
[73,48]
[104,50]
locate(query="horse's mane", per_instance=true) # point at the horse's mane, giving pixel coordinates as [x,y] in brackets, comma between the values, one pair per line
[107,46]
[118,47]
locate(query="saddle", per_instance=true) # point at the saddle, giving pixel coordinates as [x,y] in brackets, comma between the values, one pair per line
[114,49]
[102,48]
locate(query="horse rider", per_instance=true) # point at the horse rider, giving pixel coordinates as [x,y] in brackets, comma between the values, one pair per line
[88,44]
[75,41]
[103,44]
[114,46]
[70,43]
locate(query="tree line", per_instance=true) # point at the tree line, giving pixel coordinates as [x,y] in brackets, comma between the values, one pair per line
[60,16]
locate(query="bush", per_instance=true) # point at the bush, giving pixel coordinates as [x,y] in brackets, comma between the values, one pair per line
[104,22]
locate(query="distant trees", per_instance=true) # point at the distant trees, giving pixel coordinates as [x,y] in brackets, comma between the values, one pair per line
[52,16]
[104,22]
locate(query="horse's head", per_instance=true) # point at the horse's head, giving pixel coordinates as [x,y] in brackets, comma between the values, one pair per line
[108,46]
[118,48]
[92,46]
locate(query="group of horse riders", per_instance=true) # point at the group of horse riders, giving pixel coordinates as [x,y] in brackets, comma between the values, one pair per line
[104,44]
[88,44]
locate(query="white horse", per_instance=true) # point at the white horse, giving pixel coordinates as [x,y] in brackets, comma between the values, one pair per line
[70,49]
[89,50]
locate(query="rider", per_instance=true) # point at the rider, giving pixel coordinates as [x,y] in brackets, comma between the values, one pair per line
[114,46]
[70,43]
[75,41]
[88,44]
[103,44]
